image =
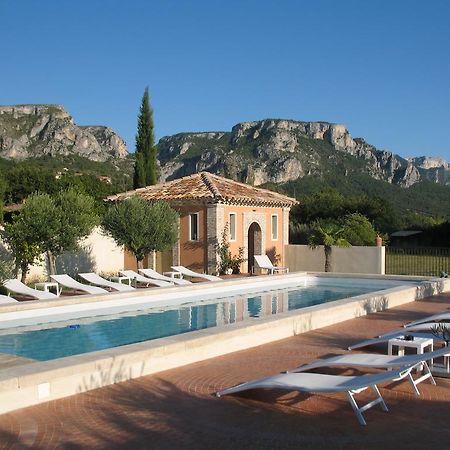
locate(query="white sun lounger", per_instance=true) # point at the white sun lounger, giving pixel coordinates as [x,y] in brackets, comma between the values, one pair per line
[4,300]
[144,280]
[434,318]
[420,330]
[316,383]
[190,273]
[18,287]
[69,282]
[264,262]
[150,273]
[380,362]
[93,278]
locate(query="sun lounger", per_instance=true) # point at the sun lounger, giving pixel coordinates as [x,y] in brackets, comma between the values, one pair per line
[371,360]
[434,318]
[420,330]
[93,278]
[4,300]
[144,280]
[18,287]
[190,273]
[150,273]
[264,262]
[69,282]
[317,383]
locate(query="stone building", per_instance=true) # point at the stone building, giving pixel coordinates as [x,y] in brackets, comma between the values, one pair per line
[256,219]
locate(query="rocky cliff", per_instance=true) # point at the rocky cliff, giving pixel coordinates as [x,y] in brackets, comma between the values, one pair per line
[284,150]
[30,131]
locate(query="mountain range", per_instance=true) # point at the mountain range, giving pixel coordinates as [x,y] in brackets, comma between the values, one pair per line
[280,151]
[34,131]
[293,156]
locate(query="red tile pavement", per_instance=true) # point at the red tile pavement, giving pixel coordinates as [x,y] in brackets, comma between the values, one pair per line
[177,408]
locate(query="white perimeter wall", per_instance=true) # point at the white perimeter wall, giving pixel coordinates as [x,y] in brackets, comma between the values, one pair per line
[343,260]
[99,254]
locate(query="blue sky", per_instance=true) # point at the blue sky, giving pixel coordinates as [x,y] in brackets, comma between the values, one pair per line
[380,67]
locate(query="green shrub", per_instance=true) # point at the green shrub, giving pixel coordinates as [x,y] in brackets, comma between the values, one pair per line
[226,259]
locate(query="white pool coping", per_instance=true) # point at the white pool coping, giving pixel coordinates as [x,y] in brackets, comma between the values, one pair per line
[38,382]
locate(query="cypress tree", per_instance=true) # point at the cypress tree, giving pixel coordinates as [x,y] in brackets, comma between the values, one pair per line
[145,169]
[139,171]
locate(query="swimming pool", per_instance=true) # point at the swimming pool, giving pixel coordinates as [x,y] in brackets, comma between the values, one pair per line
[56,339]
[242,323]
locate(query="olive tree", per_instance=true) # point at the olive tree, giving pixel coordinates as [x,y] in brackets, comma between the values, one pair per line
[26,253]
[141,226]
[23,234]
[75,218]
[50,225]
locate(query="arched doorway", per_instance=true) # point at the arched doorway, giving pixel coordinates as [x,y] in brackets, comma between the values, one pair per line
[254,244]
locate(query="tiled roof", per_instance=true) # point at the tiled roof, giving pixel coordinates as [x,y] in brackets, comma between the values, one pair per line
[209,188]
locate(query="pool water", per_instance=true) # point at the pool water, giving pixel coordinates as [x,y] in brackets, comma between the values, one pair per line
[56,340]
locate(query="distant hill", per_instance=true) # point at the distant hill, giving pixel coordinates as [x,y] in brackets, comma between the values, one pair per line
[279,151]
[33,131]
[43,142]
[304,157]
[290,156]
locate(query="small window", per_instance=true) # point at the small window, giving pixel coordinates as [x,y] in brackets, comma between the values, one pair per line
[193,227]
[274,227]
[232,226]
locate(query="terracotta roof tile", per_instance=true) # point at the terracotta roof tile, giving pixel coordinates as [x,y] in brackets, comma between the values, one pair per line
[209,188]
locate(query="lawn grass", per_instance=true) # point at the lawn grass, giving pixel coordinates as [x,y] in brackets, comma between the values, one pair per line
[408,263]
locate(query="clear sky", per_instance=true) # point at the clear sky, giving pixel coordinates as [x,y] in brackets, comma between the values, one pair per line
[381,67]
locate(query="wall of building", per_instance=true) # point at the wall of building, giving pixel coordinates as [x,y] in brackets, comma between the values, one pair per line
[193,254]
[245,216]
[200,255]
[369,260]
[99,253]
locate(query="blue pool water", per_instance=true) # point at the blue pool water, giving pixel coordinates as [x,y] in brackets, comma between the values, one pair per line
[67,338]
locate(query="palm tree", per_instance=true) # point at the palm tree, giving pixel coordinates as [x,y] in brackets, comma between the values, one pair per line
[328,234]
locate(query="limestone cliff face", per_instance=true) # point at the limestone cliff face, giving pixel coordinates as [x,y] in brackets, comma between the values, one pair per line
[283,150]
[30,131]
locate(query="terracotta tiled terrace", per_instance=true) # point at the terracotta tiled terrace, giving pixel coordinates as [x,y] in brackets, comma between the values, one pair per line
[177,409]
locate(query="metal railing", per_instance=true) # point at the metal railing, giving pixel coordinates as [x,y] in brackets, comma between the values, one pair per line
[425,261]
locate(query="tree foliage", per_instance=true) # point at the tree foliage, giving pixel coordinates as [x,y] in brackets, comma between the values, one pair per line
[141,226]
[328,204]
[145,171]
[22,234]
[25,252]
[332,205]
[139,171]
[24,180]
[6,264]
[74,219]
[51,225]
[380,214]
[19,179]
[358,230]
[3,185]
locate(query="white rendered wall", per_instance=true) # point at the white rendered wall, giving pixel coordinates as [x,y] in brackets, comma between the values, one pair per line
[108,256]
[99,254]
[343,260]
